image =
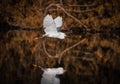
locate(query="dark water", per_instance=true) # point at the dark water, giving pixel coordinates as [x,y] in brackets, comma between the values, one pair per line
[94,61]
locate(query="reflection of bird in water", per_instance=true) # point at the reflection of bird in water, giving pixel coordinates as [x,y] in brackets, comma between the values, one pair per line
[52,27]
[49,75]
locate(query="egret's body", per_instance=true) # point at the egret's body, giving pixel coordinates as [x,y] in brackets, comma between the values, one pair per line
[50,75]
[52,27]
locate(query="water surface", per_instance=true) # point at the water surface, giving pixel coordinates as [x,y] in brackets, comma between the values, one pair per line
[94,61]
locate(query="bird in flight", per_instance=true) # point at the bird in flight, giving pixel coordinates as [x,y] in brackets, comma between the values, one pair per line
[52,27]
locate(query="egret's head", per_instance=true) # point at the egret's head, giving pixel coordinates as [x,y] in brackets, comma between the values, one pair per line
[61,35]
[60,70]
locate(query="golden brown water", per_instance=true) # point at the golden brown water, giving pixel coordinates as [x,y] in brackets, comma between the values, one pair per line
[96,60]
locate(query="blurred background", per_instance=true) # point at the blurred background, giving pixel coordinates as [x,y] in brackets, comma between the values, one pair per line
[96,60]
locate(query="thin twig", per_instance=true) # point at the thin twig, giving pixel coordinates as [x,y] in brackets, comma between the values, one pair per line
[75,11]
[61,2]
[51,56]
[22,27]
[59,6]
[48,8]
[72,16]
[82,5]
[67,49]
[60,54]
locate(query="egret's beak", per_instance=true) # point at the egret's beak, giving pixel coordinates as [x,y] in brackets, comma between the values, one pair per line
[36,38]
[34,65]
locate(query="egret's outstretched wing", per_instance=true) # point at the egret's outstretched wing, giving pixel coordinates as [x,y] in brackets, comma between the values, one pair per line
[49,24]
[48,20]
[58,21]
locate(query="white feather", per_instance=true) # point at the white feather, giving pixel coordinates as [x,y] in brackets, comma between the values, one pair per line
[48,20]
[50,27]
[58,21]
[49,75]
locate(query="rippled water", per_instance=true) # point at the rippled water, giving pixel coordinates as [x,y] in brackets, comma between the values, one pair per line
[96,60]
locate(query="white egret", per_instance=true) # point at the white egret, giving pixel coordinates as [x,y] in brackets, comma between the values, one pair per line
[49,75]
[52,27]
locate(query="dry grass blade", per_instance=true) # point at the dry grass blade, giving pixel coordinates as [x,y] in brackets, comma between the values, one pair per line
[60,54]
